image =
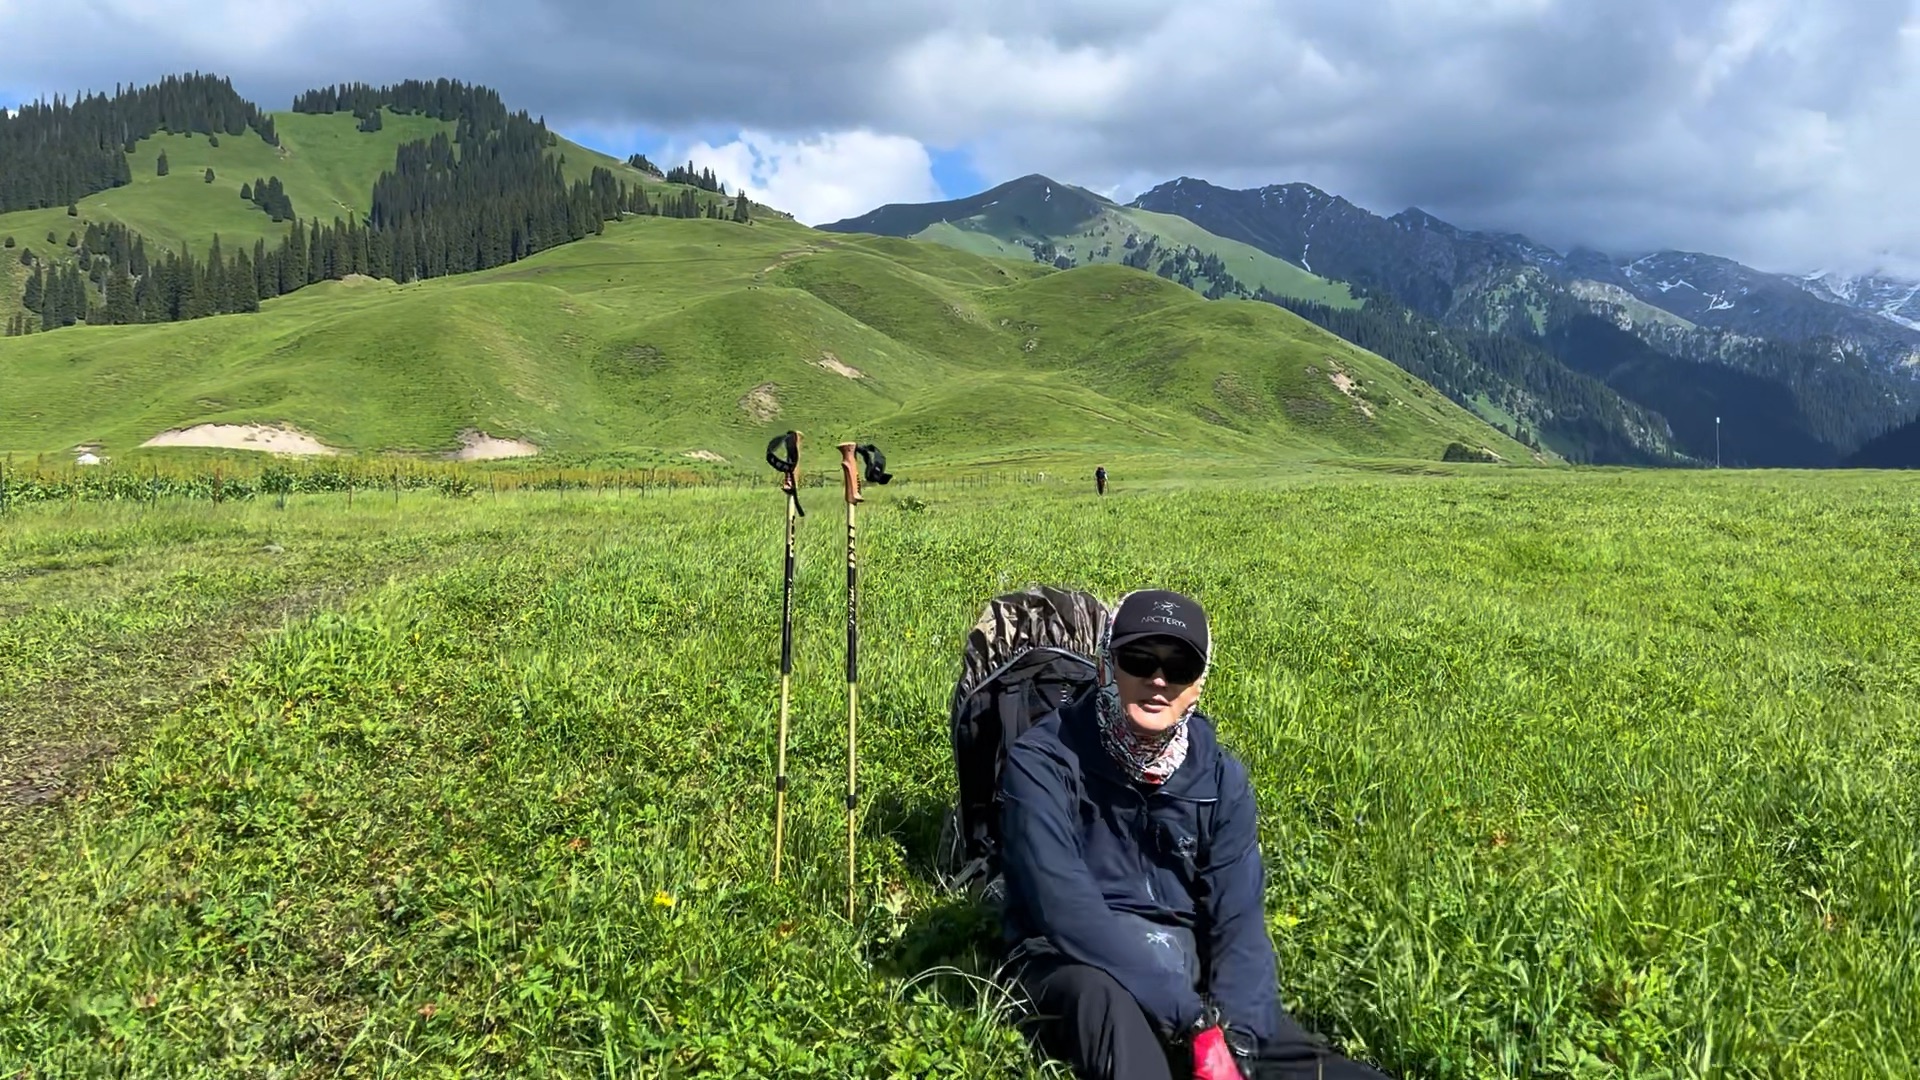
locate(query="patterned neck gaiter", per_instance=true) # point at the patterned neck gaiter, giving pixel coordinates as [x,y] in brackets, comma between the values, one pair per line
[1148,757]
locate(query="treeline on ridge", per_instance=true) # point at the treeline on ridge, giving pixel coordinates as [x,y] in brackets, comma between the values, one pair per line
[54,153]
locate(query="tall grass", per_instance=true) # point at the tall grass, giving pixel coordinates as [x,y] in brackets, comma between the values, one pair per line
[1560,776]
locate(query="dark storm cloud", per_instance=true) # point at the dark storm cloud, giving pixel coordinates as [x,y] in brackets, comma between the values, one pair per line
[1771,130]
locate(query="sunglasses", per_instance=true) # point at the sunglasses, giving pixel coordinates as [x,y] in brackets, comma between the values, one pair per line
[1180,663]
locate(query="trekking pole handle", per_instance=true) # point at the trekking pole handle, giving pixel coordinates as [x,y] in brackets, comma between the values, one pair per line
[788,467]
[852,472]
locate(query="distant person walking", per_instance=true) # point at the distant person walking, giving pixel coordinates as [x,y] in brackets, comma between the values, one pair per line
[1100,479]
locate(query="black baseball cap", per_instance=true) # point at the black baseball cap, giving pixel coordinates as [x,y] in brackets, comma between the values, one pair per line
[1159,613]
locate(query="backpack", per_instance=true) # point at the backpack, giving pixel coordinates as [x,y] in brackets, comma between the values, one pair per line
[1028,654]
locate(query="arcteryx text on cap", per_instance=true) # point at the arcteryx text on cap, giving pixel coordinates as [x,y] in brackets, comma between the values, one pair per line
[1159,613]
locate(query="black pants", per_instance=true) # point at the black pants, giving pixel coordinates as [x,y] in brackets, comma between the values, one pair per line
[1086,1019]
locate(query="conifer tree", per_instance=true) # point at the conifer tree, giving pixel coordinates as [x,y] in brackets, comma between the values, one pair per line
[216,291]
[242,293]
[119,309]
[293,259]
[209,174]
[161,169]
[265,282]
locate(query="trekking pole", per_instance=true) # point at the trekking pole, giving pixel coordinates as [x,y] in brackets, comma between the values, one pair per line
[789,467]
[876,473]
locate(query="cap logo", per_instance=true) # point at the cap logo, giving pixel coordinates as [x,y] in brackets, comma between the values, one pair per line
[1165,607]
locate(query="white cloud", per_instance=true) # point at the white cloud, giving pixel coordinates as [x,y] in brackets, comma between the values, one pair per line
[820,179]
[1772,131]
[957,84]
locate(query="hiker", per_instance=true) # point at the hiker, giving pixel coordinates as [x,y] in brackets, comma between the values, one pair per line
[1100,478]
[1131,973]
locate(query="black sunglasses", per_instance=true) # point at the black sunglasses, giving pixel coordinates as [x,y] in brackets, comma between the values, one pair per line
[1180,662]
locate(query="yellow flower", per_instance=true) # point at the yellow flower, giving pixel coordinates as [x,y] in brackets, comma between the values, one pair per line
[662,899]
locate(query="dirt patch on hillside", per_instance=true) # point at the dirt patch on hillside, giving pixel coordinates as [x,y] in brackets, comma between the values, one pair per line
[1346,384]
[479,446]
[761,402]
[272,440]
[357,279]
[704,455]
[832,363]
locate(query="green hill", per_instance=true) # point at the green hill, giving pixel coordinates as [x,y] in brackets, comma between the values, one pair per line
[325,163]
[665,339]
[1041,219]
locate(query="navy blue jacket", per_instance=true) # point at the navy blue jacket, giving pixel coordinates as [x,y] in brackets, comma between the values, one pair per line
[1092,865]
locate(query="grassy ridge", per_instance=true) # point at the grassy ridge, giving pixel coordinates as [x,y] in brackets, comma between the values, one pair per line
[1561,775]
[668,338]
[325,163]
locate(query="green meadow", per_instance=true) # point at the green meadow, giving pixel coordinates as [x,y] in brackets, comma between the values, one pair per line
[688,340]
[1562,773]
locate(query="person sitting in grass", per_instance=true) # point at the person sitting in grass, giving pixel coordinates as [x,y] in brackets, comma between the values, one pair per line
[1136,925]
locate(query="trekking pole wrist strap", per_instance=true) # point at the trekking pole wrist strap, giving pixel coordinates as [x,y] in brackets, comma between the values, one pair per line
[788,467]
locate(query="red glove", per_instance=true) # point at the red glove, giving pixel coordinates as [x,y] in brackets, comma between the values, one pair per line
[1211,1058]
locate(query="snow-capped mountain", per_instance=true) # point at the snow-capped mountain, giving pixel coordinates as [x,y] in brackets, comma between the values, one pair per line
[1890,298]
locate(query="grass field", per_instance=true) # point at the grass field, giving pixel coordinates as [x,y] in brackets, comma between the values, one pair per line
[664,338]
[1562,774]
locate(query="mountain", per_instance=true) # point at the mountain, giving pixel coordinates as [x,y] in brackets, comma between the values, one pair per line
[1851,371]
[1894,299]
[1064,226]
[1768,428]
[1508,381]
[1897,448]
[674,340]
[1417,258]
[1431,265]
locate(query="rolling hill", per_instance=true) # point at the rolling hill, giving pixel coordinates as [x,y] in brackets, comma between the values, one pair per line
[328,156]
[667,340]
[1523,389]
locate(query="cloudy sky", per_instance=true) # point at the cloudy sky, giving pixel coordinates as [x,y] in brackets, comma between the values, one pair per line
[1778,132]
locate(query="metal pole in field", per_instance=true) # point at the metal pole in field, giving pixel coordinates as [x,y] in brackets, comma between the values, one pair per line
[789,482]
[1716,442]
[877,474]
[853,664]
